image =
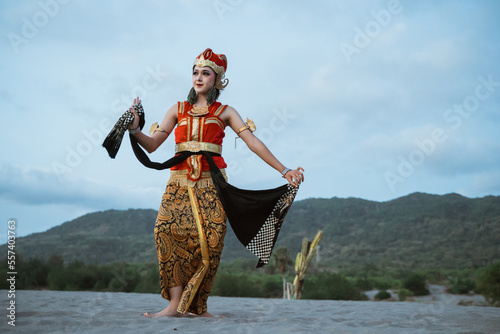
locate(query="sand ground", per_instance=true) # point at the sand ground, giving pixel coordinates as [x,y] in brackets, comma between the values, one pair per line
[106,312]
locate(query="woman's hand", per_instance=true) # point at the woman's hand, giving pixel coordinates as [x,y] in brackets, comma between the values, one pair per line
[295,176]
[135,122]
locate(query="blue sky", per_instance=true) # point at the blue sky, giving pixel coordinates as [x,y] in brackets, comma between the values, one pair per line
[375,99]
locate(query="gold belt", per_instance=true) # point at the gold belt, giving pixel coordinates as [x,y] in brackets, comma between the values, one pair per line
[196,146]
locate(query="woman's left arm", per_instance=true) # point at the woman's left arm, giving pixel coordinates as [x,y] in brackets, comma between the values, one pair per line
[234,120]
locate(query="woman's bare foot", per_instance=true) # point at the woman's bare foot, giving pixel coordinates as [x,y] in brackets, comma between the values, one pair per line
[207,315]
[210,315]
[167,312]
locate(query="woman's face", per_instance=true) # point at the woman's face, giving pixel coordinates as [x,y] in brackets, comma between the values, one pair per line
[203,79]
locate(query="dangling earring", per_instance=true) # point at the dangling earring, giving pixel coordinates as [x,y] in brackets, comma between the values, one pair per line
[212,95]
[192,96]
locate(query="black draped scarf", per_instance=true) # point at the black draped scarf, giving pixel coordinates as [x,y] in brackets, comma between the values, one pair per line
[256,216]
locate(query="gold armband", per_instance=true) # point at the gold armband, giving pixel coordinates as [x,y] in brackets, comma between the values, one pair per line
[250,125]
[243,129]
[155,128]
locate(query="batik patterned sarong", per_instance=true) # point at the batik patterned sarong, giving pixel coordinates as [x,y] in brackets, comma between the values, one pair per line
[186,257]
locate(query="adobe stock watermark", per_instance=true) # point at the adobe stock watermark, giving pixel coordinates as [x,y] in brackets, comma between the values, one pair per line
[31,26]
[453,117]
[223,6]
[93,138]
[372,29]
[278,122]
[427,314]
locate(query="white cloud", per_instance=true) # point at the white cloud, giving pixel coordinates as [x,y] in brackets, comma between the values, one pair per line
[351,121]
[33,186]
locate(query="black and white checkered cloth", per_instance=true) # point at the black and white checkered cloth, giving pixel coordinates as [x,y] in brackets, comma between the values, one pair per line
[263,243]
[114,139]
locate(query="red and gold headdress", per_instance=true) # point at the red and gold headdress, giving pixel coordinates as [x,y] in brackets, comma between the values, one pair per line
[217,62]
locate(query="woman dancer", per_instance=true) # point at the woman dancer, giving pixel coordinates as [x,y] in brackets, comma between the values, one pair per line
[190,227]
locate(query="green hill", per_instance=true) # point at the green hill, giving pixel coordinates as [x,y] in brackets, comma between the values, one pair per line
[415,231]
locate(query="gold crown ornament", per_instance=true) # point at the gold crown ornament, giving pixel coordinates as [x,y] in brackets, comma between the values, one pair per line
[217,62]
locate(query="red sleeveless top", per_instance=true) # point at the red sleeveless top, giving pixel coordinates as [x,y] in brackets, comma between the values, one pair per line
[208,128]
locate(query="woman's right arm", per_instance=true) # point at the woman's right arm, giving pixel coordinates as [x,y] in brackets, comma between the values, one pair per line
[150,144]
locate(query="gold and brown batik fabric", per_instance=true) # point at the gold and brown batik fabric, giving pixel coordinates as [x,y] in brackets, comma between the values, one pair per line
[189,236]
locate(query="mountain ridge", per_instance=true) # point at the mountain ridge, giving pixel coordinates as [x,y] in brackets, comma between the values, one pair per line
[416,230]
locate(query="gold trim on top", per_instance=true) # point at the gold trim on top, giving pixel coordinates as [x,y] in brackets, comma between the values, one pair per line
[215,121]
[180,110]
[195,130]
[189,126]
[201,131]
[220,109]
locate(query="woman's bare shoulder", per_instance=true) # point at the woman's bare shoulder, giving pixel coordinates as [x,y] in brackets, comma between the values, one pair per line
[229,110]
[172,111]
[170,117]
[228,114]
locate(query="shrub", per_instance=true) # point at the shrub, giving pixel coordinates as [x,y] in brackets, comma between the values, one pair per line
[363,284]
[383,283]
[57,279]
[125,278]
[35,273]
[488,283]
[272,287]
[149,280]
[460,286]
[416,284]
[403,294]
[382,295]
[330,286]
[229,284]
